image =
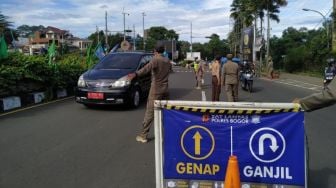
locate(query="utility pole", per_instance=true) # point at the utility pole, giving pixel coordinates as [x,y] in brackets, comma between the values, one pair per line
[133,37]
[97,34]
[106,40]
[143,30]
[325,21]
[124,13]
[191,50]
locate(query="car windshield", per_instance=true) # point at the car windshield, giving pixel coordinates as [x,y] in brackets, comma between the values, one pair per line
[119,61]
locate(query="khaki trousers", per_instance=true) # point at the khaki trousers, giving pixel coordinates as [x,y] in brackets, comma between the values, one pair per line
[149,114]
[231,92]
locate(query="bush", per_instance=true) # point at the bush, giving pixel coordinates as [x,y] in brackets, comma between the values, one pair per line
[21,74]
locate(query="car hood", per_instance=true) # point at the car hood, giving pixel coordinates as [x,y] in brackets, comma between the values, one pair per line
[102,74]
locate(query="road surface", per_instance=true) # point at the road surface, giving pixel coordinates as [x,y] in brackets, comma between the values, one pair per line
[65,144]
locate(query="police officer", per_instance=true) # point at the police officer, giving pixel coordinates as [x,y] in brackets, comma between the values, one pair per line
[159,67]
[230,77]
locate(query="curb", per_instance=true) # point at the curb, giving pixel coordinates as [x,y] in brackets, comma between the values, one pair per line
[34,106]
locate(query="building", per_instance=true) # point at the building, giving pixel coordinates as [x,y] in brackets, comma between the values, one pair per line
[43,38]
[46,36]
[191,56]
[82,44]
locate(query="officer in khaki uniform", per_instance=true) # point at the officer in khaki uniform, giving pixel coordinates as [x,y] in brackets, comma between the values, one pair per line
[230,76]
[316,101]
[159,67]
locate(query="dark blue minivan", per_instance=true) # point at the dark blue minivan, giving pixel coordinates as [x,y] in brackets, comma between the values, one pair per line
[106,83]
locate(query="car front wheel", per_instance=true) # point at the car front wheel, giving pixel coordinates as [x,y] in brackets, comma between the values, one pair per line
[135,98]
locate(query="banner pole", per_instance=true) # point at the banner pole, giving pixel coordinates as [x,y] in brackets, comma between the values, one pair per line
[231,142]
[158,150]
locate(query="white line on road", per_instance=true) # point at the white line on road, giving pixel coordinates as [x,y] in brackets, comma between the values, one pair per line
[203,96]
[297,83]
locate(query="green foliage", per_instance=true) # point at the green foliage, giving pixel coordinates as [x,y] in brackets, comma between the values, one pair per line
[159,33]
[21,74]
[300,50]
[295,58]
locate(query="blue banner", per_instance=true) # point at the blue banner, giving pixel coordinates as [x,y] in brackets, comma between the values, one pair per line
[269,147]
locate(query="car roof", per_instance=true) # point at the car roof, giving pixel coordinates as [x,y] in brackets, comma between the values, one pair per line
[133,52]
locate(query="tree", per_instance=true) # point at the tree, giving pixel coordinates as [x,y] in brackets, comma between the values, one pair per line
[183,47]
[6,30]
[26,30]
[4,23]
[215,45]
[159,33]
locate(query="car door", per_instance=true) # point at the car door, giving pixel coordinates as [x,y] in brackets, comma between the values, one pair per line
[145,81]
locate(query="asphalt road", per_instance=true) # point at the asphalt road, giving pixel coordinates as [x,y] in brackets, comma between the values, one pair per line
[65,144]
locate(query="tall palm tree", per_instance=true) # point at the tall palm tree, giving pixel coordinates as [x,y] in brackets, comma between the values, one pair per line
[272,8]
[242,14]
[4,23]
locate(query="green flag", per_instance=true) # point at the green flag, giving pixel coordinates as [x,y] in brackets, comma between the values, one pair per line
[88,55]
[52,51]
[3,48]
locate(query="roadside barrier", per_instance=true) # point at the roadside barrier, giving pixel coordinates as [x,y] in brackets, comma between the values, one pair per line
[198,143]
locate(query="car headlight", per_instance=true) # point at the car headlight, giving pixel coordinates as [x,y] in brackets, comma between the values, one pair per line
[122,82]
[81,82]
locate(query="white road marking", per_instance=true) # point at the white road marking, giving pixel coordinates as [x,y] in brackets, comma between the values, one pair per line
[203,96]
[297,83]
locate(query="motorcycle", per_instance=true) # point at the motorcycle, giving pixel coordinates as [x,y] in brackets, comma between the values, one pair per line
[328,77]
[246,80]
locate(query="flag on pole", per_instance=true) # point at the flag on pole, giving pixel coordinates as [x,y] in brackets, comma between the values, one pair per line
[99,51]
[3,48]
[115,48]
[88,55]
[51,51]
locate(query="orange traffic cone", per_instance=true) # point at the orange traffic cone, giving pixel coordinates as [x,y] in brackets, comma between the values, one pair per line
[232,178]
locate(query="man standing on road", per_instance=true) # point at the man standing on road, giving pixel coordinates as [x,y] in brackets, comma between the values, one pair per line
[216,84]
[159,67]
[230,79]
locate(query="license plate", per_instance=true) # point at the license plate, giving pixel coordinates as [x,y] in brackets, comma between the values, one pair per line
[95,95]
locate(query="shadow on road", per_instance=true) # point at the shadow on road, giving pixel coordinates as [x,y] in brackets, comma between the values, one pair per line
[257,89]
[115,107]
[325,177]
[178,93]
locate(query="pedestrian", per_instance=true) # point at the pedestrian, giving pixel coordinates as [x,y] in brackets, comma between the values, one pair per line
[230,77]
[216,81]
[159,67]
[199,71]
[270,69]
[319,100]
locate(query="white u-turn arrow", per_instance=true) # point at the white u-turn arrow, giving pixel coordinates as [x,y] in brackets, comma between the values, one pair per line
[273,145]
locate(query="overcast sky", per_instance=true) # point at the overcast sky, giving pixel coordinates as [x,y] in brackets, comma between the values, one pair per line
[81,17]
